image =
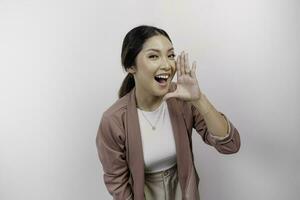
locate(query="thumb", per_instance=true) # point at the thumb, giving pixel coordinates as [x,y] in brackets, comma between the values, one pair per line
[169,95]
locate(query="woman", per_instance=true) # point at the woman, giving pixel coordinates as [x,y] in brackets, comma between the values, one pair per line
[144,140]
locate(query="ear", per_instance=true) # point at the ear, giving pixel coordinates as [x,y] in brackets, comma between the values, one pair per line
[131,70]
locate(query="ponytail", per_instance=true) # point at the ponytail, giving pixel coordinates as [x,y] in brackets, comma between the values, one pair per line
[127,85]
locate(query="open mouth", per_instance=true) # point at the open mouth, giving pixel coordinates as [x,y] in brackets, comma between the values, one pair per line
[162,78]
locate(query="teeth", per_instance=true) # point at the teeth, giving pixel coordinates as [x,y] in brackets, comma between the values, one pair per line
[163,76]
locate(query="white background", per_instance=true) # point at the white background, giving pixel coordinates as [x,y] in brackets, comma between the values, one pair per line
[60,68]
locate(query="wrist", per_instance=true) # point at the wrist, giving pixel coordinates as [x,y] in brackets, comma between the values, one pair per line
[203,105]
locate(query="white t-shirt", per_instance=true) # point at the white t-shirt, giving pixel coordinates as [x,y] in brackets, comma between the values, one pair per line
[158,145]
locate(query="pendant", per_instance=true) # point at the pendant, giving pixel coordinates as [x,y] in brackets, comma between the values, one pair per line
[153,128]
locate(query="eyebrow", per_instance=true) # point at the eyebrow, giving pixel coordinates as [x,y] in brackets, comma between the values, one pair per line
[158,49]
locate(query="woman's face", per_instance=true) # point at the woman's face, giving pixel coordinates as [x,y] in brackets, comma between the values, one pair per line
[155,66]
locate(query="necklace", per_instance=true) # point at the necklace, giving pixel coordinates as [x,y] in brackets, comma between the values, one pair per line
[154,126]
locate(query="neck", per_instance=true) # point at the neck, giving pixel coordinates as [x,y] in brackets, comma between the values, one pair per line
[146,101]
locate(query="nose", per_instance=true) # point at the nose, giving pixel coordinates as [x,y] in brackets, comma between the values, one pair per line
[166,64]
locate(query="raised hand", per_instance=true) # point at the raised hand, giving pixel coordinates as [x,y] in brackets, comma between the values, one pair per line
[187,84]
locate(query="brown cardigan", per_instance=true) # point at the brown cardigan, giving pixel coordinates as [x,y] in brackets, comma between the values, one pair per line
[120,149]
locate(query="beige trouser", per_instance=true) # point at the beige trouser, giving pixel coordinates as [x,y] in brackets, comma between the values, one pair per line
[162,185]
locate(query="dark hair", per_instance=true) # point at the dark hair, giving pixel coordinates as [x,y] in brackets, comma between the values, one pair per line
[132,45]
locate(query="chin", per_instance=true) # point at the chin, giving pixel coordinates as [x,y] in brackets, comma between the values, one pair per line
[161,92]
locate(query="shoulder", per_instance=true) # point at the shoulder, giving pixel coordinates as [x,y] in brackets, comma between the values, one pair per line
[116,112]
[111,128]
[118,107]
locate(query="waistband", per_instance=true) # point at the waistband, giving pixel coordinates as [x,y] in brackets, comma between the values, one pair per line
[159,176]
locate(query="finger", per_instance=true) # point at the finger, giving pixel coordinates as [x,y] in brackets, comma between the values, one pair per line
[178,66]
[193,72]
[186,64]
[181,64]
[170,95]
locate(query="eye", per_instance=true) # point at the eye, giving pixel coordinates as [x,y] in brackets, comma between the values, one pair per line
[153,56]
[172,55]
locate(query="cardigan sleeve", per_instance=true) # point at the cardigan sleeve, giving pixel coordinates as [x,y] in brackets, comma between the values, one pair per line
[228,144]
[110,144]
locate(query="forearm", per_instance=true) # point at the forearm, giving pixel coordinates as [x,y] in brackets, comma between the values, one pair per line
[216,123]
